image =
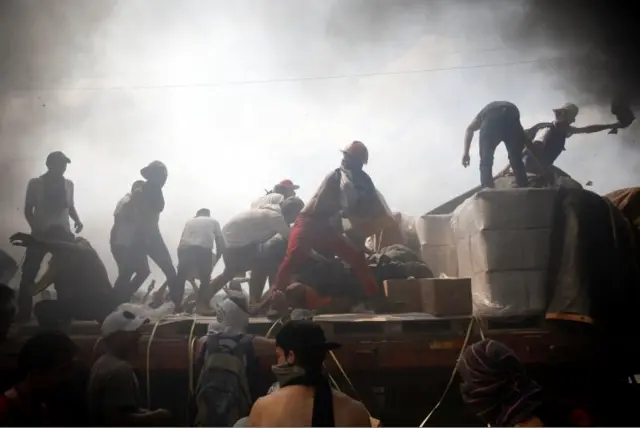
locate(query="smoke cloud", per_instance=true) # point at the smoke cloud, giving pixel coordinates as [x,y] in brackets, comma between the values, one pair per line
[599,40]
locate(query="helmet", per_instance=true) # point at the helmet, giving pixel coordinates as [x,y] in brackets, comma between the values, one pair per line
[358,151]
[569,109]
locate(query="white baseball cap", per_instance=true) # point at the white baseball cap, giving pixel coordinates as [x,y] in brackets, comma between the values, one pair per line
[123,320]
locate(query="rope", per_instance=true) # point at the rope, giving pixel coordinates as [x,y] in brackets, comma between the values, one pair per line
[453,374]
[190,354]
[148,360]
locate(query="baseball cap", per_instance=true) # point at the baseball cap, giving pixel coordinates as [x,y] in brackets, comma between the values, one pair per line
[303,334]
[122,320]
[57,156]
[288,184]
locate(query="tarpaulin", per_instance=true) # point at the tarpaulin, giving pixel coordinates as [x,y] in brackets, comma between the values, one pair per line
[593,270]
[628,201]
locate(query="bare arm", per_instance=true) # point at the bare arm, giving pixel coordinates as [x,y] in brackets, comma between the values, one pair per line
[220,243]
[471,129]
[531,132]
[593,128]
[72,206]
[30,204]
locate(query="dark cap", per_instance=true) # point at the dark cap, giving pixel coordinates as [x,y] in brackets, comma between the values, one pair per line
[303,335]
[57,157]
[155,167]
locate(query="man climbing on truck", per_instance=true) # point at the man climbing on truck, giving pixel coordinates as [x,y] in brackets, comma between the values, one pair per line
[248,238]
[127,250]
[543,153]
[49,203]
[345,190]
[498,121]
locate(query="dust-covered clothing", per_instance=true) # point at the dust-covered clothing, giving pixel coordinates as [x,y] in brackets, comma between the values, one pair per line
[271,198]
[500,122]
[113,386]
[200,232]
[549,148]
[325,204]
[51,197]
[255,226]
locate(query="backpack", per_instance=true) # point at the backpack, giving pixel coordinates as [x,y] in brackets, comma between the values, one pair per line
[222,395]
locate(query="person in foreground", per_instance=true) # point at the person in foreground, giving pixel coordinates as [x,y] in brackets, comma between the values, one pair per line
[305,397]
[113,386]
[44,365]
[497,389]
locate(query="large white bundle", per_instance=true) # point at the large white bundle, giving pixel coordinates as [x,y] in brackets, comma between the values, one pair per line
[441,259]
[503,244]
[435,229]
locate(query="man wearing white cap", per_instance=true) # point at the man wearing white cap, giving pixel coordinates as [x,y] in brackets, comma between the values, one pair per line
[552,144]
[113,390]
[281,191]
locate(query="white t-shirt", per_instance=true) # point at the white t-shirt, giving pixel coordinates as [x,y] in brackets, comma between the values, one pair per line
[268,199]
[255,226]
[200,232]
[125,227]
[43,218]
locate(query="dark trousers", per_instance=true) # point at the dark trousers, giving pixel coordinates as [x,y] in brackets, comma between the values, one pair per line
[492,133]
[157,251]
[190,259]
[133,270]
[34,255]
[308,234]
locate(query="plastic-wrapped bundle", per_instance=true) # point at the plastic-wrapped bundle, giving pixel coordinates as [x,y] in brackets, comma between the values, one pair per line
[437,243]
[503,240]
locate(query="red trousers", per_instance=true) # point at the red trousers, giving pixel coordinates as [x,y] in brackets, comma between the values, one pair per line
[308,234]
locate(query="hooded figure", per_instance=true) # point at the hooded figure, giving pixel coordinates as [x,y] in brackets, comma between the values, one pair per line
[496,387]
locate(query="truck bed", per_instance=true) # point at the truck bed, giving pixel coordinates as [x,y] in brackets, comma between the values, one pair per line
[370,341]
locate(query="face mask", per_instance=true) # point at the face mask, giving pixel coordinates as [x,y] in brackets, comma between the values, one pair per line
[286,372]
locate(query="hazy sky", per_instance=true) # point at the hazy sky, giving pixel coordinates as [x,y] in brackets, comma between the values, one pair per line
[236,95]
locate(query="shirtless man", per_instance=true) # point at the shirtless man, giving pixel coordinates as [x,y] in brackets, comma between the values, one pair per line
[305,397]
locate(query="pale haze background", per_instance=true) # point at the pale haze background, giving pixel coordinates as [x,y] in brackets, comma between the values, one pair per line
[236,95]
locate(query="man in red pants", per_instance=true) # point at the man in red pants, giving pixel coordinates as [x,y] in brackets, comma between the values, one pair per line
[319,226]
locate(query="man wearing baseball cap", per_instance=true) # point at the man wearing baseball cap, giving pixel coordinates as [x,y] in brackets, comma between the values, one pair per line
[305,397]
[49,203]
[281,191]
[552,144]
[113,388]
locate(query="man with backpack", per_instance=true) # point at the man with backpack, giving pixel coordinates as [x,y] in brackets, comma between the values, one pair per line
[230,378]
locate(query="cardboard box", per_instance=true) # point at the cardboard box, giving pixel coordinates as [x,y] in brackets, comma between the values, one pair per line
[435,296]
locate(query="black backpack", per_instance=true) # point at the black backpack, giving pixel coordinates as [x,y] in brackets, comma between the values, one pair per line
[222,395]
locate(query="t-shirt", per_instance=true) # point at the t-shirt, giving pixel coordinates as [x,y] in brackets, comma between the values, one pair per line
[200,232]
[124,227]
[113,385]
[48,215]
[553,143]
[254,226]
[268,199]
[498,109]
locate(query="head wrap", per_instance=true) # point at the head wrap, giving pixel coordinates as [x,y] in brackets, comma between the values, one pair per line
[495,385]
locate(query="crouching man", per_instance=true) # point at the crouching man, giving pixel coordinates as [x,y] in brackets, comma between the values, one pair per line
[78,275]
[248,245]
